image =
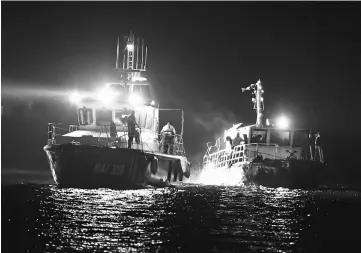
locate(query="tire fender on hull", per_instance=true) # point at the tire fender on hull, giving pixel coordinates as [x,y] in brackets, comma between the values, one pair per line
[154,165]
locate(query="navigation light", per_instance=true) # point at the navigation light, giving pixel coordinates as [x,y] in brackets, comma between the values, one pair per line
[130,47]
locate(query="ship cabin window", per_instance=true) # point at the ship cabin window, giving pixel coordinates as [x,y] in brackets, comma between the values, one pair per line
[85,116]
[259,136]
[280,137]
[103,117]
[143,90]
[300,138]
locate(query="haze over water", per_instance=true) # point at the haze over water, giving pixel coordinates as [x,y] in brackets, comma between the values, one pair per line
[188,218]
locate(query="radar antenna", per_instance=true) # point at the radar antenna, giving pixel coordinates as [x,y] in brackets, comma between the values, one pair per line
[257,100]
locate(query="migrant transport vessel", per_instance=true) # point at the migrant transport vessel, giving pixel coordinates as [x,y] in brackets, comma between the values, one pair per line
[103,150]
[272,154]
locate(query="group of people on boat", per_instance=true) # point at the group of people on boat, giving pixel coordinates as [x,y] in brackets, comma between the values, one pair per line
[313,149]
[167,134]
[230,144]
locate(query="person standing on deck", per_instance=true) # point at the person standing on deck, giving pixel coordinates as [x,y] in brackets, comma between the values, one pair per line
[318,148]
[131,128]
[237,140]
[311,148]
[168,133]
[112,129]
[229,150]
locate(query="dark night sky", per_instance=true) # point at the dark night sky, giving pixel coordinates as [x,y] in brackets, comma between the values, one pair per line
[307,55]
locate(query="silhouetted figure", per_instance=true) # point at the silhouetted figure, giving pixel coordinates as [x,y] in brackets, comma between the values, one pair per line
[237,140]
[318,148]
[229,147]
[311,140]
[131,128]
[113,129]
[245,138]
[168,133]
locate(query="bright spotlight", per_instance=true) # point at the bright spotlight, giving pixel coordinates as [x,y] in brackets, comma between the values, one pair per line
[152,103]
[106,96]
[75,97]
[135,99]
[282,122]
[130,47]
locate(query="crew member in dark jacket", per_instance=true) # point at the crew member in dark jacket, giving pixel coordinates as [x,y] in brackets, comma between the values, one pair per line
[131,128]
[113,129]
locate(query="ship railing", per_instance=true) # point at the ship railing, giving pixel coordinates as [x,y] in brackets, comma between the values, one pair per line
[73,128]
[178,146]
[54,131]
[255,149]
[225,157]
[112,141]
[238,154]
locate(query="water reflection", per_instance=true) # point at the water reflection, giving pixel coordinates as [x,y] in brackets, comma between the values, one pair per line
[191,218]
[219,219]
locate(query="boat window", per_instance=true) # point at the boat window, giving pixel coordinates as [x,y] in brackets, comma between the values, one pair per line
[300,138]
[103,116]
[259,136]
[85,116]
[280,137]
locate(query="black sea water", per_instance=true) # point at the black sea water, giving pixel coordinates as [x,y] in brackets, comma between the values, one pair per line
[188,218]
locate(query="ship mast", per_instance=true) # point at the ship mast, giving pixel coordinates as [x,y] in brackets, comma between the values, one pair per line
[132,53]
[257,100]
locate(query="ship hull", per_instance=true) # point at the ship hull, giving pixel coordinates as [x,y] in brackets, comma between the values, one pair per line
[300,174]
[103,167]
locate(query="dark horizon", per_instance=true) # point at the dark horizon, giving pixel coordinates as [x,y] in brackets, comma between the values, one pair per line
[201,54]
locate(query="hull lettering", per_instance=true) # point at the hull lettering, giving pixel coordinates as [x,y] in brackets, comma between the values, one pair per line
[112,169]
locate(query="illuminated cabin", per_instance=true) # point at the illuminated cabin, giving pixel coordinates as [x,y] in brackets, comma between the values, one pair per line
[271,142]
[115,103]
[267,141]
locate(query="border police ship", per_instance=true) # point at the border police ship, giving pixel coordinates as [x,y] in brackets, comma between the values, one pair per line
[103,150]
